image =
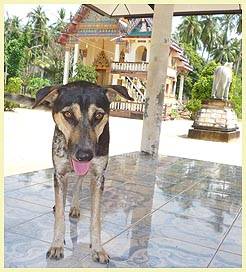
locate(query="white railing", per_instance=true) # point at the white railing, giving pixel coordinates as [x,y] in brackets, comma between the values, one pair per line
[138,67]
[134,90]
[127,106]
[134,107]
[129,66]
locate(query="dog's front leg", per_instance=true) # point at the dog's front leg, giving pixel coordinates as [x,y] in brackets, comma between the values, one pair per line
[98,253]
[74,210]
[56,250]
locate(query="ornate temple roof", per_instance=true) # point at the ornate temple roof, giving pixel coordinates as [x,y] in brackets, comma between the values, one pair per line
[87,22]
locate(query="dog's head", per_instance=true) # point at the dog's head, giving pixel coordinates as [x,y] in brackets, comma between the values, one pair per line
[81,112]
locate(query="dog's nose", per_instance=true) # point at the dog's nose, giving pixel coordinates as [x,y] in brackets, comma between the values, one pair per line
[84,155]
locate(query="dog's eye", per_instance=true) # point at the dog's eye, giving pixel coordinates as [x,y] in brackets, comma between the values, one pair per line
[67,114]
[99,116]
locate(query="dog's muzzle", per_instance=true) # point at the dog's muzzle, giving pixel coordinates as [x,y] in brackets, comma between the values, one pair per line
[82,161]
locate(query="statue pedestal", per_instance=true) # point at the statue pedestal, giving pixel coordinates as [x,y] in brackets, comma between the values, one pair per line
[215,121]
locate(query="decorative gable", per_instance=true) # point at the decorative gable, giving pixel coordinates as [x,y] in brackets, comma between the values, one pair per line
[101,61]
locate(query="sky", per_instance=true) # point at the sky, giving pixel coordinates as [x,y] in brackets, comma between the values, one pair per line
[21,10]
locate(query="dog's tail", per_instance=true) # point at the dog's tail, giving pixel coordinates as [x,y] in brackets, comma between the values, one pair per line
[26,101]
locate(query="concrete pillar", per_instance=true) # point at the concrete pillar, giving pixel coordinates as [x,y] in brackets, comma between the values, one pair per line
[66,66]
[174,87]
[156,78]
[148,52]
[127,55]
[75,58]
[181,88]
[117,52]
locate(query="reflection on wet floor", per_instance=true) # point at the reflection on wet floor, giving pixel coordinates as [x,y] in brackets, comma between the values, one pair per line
[164,212]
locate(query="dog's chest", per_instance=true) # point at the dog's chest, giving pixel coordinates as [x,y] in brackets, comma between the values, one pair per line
[59,152]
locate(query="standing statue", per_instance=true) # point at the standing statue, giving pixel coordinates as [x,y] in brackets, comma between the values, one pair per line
[222,81]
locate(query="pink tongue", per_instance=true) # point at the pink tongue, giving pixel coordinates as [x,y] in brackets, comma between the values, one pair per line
[81,168]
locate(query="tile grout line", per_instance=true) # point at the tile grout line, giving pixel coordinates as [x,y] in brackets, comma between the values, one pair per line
[134,224]
[29,220]
[14,198]
[27,186]
[224,237]
[40,240]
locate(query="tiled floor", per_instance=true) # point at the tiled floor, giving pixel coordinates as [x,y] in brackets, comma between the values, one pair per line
[168,212]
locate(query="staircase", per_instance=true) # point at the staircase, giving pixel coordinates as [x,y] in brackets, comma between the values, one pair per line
[135,88]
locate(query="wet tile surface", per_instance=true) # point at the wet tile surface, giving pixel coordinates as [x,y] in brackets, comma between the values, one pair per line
[165,212]
[226,260]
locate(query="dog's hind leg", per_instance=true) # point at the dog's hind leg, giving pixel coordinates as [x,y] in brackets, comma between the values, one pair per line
[98,253]
[56,250]
[74,210]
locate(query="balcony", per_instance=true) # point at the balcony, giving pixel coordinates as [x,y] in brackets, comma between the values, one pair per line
[122,67]
[137,68]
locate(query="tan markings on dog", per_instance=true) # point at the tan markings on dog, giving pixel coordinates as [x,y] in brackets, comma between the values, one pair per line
[100,126]
[92,134]
[75,109]
[63,125]
[69,132]
[92,109]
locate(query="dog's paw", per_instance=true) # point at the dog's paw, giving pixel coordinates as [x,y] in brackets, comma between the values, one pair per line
[100,256]
[74,212]
[55,253]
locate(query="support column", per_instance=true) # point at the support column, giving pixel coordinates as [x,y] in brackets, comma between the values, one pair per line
[174,87]
[127,55]
[66,66]
[116,58]
[75,58]
[181,88]
[117,52]
[148,52]
[156,79]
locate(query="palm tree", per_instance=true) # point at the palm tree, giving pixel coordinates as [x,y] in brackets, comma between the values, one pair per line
[227,52]
[39,20]
[228,23]
[60,24]
[12,28]
[209,32]
[239,31]
[190,31]
[226,48]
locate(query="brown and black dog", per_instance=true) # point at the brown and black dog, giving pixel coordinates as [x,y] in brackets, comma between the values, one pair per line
[80,147]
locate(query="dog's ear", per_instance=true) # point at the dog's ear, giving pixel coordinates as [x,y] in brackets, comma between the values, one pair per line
[46,94]
[113,90]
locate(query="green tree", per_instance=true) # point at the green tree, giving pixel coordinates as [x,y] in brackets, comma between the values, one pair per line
[226,49]
[60,24]
[85,72]
[14,56]
[235,94]
[203,87]
[209,32]
[14,86]
[34,84]
[39,20]
[197,62]
[226,52]
[190,31]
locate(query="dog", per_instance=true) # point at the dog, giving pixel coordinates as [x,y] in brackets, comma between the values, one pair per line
[80,148]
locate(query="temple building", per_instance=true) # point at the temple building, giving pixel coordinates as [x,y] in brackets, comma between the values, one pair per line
[119,49]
